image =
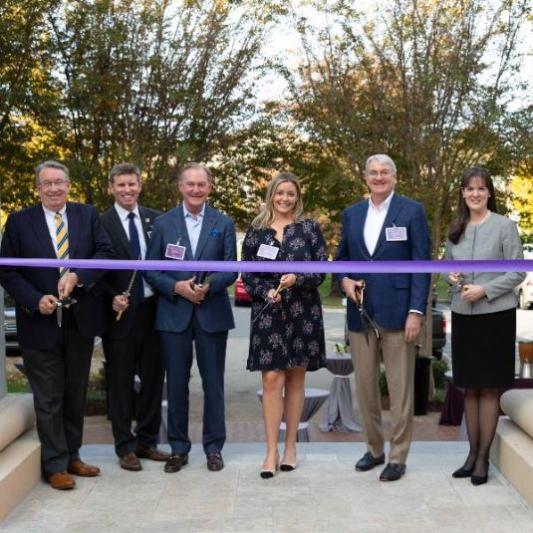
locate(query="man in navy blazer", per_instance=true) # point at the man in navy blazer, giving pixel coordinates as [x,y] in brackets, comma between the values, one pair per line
[191,307]
[385,227]
[56,349]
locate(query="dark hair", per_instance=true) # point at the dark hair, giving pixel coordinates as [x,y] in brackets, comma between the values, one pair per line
[124,168]
[457,227]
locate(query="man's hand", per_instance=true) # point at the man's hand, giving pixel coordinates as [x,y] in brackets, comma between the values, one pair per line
[201,292]
[413,325]
[47,304]
[66,284]
[352,289]
[473,293]
[120,303]
[287,280]
[185,289]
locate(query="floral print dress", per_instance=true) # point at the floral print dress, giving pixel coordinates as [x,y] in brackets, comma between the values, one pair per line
[288,334]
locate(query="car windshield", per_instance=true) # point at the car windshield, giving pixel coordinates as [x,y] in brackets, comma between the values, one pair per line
[8,301]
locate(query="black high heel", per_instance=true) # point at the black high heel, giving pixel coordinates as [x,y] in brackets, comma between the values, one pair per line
[480,480]
[463,472]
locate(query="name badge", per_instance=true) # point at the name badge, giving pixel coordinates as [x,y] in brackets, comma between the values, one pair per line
[267,252]
[175,251]
[396,233]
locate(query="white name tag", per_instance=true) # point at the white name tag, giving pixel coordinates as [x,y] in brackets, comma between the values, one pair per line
[175,251]
[267,252]
[396,233]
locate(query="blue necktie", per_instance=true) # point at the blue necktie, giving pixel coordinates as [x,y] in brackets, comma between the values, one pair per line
[135,246]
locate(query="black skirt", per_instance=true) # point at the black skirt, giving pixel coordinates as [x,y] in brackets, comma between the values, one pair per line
[483,349]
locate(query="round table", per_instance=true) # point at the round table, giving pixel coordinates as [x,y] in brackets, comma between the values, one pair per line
[314,398]
[338,414]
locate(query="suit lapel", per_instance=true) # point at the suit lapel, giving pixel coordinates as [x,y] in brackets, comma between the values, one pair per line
[182,232]
[42,234]
[210,218]
[74,225]
[360,219]
[394,208]
[120,233]
[147,223]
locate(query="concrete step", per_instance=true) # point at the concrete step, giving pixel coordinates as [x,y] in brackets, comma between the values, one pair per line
[323,494]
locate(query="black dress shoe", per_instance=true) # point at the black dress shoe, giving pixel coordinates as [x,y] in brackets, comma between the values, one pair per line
[176,462]
[368,461]
[463,472]
[215,461]
[392,472]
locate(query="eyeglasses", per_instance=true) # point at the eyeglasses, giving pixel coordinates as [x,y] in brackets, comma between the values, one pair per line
[50,184]
[382,174]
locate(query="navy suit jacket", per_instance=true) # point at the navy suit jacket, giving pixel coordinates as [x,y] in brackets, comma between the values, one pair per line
[26,236]
[217,242]
[388,297]
[116,281]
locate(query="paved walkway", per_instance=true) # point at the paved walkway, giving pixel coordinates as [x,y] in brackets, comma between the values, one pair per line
[324,494]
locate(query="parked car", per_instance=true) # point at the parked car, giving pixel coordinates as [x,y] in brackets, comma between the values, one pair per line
[241,294]
[525,292]
[10,326]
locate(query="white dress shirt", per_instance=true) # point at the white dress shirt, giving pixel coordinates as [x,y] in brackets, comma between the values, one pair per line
[194,226]
[50,217]
[123,216]
[375,218]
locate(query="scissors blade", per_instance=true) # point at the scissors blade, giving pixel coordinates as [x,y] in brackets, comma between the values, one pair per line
[59,314]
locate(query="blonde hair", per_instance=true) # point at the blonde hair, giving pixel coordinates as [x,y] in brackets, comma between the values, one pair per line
[266,216]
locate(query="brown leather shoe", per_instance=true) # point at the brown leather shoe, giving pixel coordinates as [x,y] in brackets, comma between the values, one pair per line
[176,462]
[78,468]
[61,481]
[215,461]
[144,452]
[130,462]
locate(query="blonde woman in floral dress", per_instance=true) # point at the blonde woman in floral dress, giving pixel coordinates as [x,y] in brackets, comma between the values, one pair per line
[286,336]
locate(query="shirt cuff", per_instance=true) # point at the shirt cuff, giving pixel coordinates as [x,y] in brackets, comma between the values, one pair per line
[416,312]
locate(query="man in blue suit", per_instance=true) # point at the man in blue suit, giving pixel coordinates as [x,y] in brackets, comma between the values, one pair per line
[191,307]
[385,227]
[57,343]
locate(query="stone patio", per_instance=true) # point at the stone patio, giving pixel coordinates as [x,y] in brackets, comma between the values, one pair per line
[324,494]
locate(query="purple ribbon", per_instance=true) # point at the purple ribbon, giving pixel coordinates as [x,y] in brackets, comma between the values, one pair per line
[297,267]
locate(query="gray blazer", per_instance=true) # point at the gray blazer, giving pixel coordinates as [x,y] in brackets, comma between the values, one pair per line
[496,238]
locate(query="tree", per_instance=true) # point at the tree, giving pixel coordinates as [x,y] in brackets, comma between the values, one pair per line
[427,82]
[157,83]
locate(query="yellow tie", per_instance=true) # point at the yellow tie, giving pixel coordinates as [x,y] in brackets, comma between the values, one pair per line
[61,241]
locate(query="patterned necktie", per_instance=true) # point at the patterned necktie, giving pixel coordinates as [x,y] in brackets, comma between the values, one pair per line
[61,241]
[135,246]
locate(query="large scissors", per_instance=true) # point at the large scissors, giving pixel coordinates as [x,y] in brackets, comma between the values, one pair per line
[127,292]
[66,303]
[270,301]
[367,322]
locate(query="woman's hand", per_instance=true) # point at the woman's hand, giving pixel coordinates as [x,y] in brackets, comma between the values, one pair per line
[455,277]
[473,293]
[274,296]
[287,280]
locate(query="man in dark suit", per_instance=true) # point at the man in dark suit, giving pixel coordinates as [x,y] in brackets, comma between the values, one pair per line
[131,343]
[385,227]
[192,307]
[57,342]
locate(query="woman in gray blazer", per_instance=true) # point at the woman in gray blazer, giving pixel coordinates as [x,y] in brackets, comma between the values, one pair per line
[483,314]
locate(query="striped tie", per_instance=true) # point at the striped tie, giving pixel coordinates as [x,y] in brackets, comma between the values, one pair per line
[61,241]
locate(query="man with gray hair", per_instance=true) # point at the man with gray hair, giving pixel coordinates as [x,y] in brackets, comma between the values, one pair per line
[385,311]
[59,312]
